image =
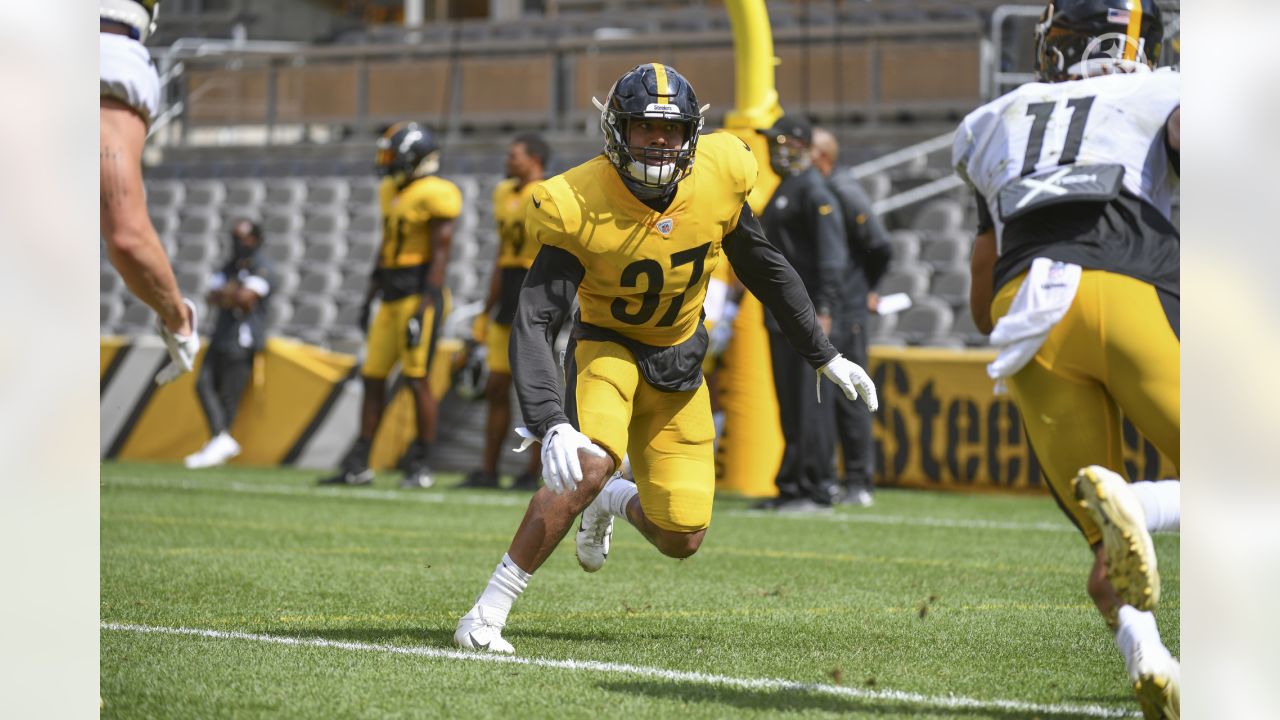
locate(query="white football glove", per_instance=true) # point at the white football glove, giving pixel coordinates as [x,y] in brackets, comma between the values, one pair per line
[182,349]
[560,466]
[852,379]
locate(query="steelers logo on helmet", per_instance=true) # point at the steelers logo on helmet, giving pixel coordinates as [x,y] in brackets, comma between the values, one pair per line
[1086,38]
[407,151]
[653,92]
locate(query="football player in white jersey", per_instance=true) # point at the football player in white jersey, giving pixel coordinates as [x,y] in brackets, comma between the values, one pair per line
[1076,277]
[129,102]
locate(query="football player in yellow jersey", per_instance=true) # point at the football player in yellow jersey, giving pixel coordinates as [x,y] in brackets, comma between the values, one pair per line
[526,160]
[635,233]
[128,102]
[418,217]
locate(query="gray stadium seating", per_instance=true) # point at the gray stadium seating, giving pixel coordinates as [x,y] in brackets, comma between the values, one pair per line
[279,312]
[939,216]
[360,252]
[281,220]
[285,193]
[363,193]
[165,194]
[197,249]
[947,251]
[204,194]
[165,221]
[285,282]
[246,191]
[910,279]
[111,310]
[109,281]
[927,322]
[323,221]
[199,221]
[965,331]
[328,193]
[193,279]
[313,313]
[283,248]
[952,286]
[319,281]
[137,315]
[324,250]
[906,247]
[365,223]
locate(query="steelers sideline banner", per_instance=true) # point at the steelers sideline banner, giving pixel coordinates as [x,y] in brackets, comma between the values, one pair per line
[301,408]
[941,426]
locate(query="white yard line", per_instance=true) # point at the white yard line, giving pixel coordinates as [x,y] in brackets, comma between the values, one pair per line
[510,501]
[936,701]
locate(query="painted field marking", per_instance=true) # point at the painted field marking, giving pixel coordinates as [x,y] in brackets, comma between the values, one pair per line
[896,696]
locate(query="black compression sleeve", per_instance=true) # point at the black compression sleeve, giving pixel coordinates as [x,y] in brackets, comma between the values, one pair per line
[768,275]
[545,300]
[985,222]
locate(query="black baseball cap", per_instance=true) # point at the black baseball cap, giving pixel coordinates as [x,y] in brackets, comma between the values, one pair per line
[793,126]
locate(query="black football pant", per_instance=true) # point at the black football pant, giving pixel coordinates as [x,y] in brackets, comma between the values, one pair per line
[853,419]
[222,379]
[808,427]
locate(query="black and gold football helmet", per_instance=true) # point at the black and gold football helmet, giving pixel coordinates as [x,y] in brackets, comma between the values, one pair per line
[407,151]
[651,91]
[1081,38]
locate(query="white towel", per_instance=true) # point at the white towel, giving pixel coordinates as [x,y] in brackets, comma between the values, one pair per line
[1045,296]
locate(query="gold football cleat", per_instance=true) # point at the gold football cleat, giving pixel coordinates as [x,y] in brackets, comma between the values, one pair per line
[1131,556]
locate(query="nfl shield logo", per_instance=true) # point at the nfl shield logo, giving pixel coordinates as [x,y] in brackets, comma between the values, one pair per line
[665,225]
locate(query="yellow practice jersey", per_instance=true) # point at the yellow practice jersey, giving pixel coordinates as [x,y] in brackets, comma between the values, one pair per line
[646,272]
[406,237]
[515,250]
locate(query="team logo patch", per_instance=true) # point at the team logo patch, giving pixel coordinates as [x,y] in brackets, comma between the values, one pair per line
[665,226]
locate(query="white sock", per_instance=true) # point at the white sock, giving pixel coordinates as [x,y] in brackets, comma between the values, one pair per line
[1135,627]
[506,584]
[1161,502]
[619,494]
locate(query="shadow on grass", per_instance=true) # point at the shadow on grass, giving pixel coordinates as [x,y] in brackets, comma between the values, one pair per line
[801,700]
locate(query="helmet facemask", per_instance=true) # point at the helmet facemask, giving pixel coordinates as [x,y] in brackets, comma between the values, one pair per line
[407,152]
[650,171]
[1067,50]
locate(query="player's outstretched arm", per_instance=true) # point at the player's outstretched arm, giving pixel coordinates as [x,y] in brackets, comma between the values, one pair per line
[132,244]
[545,300]
[767,274]
[982,266]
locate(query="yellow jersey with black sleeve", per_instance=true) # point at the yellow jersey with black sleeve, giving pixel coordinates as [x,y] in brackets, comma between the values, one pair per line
[646,272]
[406,235]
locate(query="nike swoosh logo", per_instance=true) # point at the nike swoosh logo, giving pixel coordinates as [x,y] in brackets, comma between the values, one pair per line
[476,643]
[536,203]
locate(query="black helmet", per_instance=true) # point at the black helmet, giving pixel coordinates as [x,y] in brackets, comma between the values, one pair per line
[1077,37]
[653,91]
[789,142]
[406,151]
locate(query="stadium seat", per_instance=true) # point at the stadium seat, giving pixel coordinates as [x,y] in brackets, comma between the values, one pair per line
[952,286]
[197,249]
[248,192]
[137,317]
[877,185]
[285,192]
[284,281]
[204,193]
[319,281]
[165,221]
[965,331]
[362,195]
[279,312]
[283,248]
[232,214]
[324,221]
[109,281]
[948,251]
[110,310]
[165,194]
[910,279]
[328,193]
[906,247]
[348,316]
[355,281]
[316,312]
[927,322]
[199,222]
[193,279]
[364,223]
[327,250]
[361,252]
[282,220]
[939,216]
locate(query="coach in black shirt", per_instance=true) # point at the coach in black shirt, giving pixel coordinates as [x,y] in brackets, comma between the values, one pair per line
[239,290]
[869,255]
[803,221]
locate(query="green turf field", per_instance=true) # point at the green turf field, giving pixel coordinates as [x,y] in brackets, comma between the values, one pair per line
[342,603]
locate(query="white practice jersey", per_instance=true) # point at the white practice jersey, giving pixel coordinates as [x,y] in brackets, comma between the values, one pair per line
[126,74]
[1111,119]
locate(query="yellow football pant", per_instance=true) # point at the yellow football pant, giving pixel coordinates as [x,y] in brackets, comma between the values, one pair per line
[389,340]
[1113,352]
[497,340]
[669,435]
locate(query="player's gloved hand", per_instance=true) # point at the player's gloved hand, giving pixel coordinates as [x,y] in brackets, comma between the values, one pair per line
[365,310]
[413,332]
[561,468]
[852,379]
[182,349]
